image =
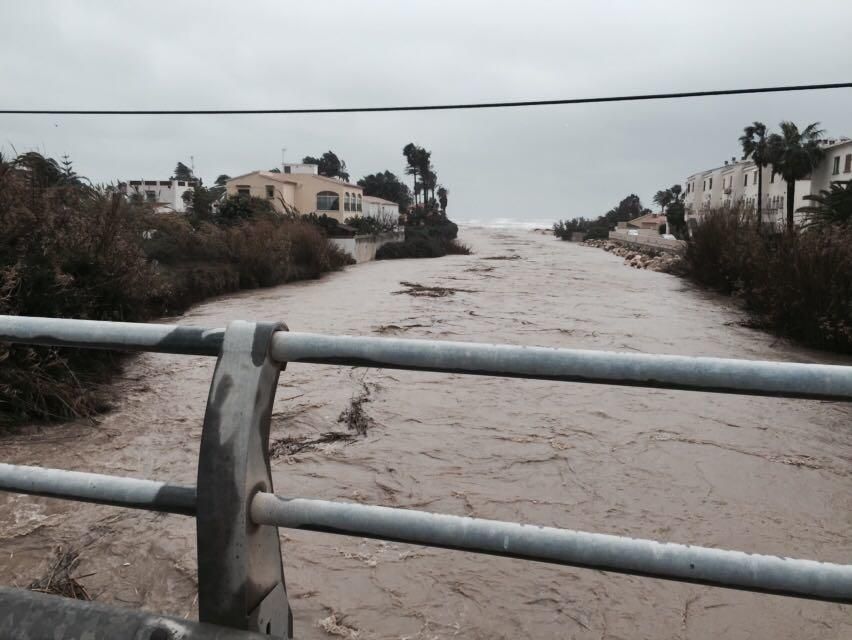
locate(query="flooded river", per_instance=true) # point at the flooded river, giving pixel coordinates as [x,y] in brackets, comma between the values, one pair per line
[757,474]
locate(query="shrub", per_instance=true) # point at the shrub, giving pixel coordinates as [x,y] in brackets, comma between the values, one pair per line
[799,284]
[427,241]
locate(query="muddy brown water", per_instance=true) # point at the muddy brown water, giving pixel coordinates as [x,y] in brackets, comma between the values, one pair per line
[757,474]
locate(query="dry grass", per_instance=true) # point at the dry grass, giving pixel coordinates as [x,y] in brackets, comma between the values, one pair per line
[59,580]
[422,291]
[354,416]
[798,284]
[292,446]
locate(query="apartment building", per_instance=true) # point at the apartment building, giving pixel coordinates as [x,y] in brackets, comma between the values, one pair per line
[736,182]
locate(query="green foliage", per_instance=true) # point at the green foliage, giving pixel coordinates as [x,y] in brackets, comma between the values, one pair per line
[443,192]
[425,241]
[797,284]
[236,209]
[419,163]
[832,207]
[386,185]
[599,228]
[564,229]
[755,144]
[793,154]
[370,225]
[329,165]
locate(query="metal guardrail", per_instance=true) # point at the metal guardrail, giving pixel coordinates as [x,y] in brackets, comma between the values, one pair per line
[241,577]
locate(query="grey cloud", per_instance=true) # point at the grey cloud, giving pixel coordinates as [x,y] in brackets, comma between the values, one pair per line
[529,163]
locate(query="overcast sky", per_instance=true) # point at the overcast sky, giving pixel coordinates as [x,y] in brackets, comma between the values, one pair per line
[539,163]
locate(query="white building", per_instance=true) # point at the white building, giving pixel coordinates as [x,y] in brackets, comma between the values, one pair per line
[380,208]
[166,195]
[735,182]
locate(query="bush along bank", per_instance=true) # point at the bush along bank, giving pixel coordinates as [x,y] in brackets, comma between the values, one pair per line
[798,284]
[75,251]
[429,235]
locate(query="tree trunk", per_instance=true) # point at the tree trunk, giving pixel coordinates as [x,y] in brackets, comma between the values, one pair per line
[759,196]
[415,187]
[791,200]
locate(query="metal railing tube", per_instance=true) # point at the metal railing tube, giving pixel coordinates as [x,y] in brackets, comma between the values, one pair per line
[120,336]
[720,375]
[100,489]
[683,563]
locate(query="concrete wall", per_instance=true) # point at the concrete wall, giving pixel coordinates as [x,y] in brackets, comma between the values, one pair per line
[363,248]
[648,241]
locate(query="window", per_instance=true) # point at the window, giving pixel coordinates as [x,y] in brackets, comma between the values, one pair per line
[836,169]
[745,179]
[150,183]
[346,201]
[704,186]
[165,183]
[359,202]
[243,190]
[328,201]
[711,183]
[151,196]
[772,178]
[287,169]
[847,167]
[181,183]
[754,178]
[270,192]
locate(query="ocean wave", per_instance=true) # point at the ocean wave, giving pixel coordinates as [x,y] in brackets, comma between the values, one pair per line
[506,223]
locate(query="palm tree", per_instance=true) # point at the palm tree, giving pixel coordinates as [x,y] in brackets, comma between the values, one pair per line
[443,192]
[755,146]
[832,207]
[663,198]
[411,157]
[793,154]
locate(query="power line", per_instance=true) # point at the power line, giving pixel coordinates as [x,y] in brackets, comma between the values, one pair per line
[429,107]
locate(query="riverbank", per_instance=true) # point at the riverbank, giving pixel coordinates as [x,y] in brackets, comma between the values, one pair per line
[638,258]
[798,286]
[765,475]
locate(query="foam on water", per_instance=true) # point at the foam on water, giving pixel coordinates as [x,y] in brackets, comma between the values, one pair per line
[506,223]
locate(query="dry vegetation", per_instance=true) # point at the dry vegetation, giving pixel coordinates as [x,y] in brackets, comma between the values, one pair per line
[69,250]
[798,284]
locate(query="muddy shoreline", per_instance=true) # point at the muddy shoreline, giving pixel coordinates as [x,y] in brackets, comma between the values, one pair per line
[757,474]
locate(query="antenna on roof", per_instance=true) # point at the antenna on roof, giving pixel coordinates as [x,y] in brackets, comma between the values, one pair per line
[283,162]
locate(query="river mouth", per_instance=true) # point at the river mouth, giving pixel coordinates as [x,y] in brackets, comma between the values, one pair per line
[759,474]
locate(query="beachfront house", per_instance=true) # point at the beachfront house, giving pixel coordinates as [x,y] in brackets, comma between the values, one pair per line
[167,196]
[300,189]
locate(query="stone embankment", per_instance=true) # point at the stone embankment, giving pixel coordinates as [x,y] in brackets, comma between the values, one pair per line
[653,259]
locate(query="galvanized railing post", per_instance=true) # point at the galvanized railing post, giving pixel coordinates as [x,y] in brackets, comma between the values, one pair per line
[240,571]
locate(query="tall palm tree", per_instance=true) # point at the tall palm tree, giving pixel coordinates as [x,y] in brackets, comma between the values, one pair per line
[793,155]
[755,146]
[411,157]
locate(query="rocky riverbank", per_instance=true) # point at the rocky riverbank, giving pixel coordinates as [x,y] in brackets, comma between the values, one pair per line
[653,259]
